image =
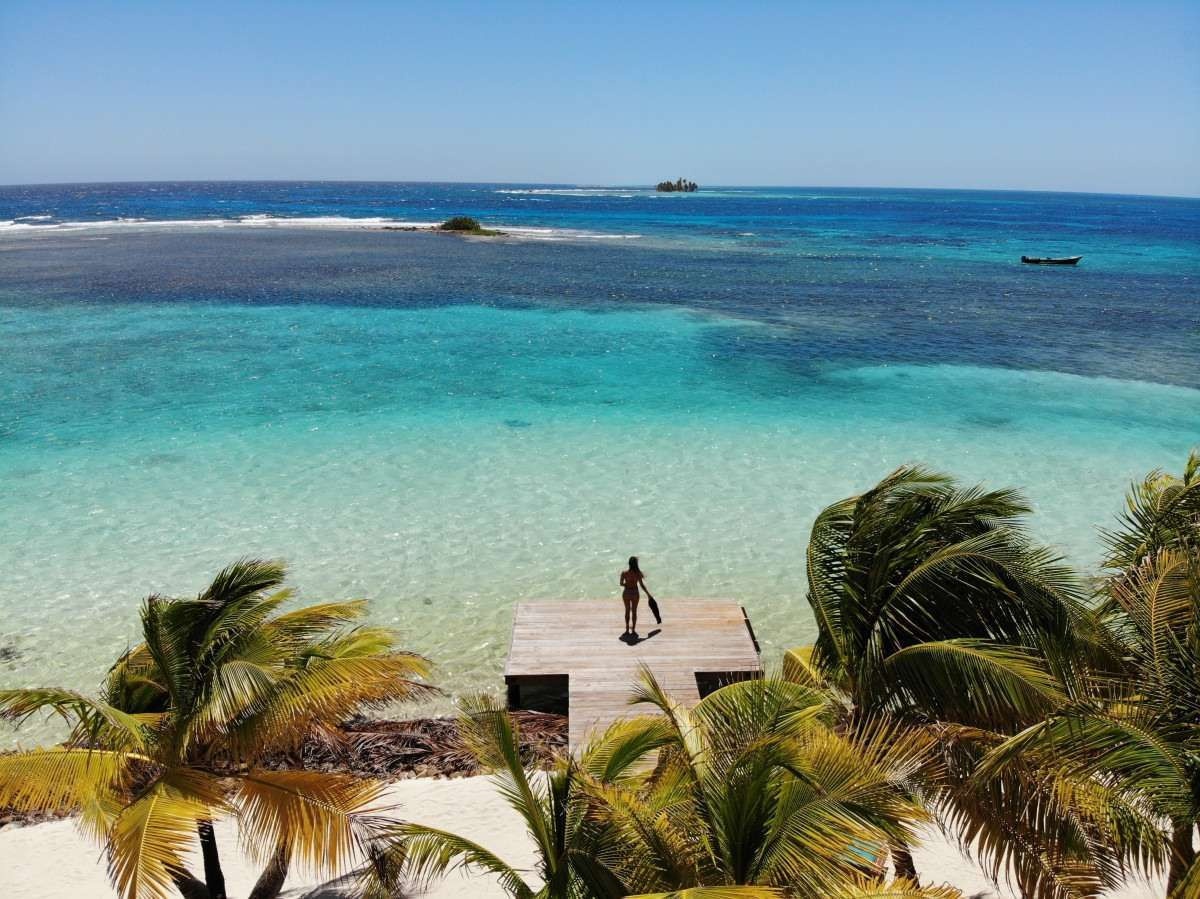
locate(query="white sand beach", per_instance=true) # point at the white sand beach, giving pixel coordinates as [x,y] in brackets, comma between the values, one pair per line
[52,860]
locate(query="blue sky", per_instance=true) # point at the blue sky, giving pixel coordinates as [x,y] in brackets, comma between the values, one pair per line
[1071,96]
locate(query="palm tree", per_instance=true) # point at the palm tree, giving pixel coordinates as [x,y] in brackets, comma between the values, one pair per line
[552,805]
[1161,513]
[935,609]
[1138,731]
[177,734]
[748,794]
[753,788]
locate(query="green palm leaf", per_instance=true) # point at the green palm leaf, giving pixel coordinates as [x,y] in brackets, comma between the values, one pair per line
[426,853]
[964,678]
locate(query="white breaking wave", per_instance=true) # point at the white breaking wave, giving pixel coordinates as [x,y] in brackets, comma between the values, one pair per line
[245,221]
[562,234]
[625,192]
[263,220]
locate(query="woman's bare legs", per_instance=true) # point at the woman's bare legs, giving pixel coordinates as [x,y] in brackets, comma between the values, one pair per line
[627,610]
[633,604]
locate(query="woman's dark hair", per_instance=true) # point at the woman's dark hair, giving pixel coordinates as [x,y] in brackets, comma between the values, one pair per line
[633,564]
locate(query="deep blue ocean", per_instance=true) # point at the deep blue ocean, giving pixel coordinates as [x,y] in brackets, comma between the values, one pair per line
[194,372]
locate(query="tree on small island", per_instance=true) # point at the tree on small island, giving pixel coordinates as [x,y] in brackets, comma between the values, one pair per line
[464,224]
[682,185]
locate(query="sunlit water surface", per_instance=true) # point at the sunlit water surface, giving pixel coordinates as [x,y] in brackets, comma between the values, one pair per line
[446,426]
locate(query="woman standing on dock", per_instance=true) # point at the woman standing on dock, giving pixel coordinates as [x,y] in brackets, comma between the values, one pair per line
[631,579]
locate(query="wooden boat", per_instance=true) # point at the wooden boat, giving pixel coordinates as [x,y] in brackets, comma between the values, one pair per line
[1046,260]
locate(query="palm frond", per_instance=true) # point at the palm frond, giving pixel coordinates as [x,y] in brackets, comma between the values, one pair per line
[150,839]
[87,716]
[655,838]
[967,679]
[328,688]
[313,622]
[1162,512]
[897,889]
[621,751]
[310,812]
[54,780]
[799,667]
[1053,831]
[419,855]
[917,560]
[1189,887]
[493,736]
[735,892]
[826,569]
[1159,599]
[1086,743]
[243,578]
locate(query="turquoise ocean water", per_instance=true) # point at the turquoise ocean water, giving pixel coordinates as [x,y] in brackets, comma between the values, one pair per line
[190,373]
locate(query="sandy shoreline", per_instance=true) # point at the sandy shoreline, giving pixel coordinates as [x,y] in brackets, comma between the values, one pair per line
[52,861]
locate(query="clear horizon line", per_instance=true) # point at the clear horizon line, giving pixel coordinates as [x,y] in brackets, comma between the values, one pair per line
[599,185]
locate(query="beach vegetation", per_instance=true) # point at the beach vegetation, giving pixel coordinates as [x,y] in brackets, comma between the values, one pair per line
[176,737]
[464,224]
[934,608]
[1136,728]
[550,803]
[751,793]
[680,185]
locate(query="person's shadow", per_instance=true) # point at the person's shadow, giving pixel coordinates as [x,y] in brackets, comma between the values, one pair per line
[633,639]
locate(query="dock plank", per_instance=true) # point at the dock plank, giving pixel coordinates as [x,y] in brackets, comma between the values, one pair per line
[581,640]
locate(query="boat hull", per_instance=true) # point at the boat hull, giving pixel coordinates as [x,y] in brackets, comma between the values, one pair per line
[1037,260]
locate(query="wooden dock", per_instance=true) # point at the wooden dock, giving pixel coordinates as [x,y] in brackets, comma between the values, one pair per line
[573,650]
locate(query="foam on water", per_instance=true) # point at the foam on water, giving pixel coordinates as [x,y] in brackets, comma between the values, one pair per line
[445,462]
[45,225]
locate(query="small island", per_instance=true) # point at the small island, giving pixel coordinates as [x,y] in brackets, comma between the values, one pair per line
[459,224]
[464,224]
[682,185]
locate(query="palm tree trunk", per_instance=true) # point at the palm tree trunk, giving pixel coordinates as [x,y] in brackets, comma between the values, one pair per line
[270,882]
[189,887]
[902,859]
[213,875]
[1182,853]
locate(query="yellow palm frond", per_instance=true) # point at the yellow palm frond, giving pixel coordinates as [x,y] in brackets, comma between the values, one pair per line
[98,812]
[55,780]
[800,668]
[624,750]
[237,690]
[150,838]
[328,690]
[423,854]
[91,718]
[897,889]
[313,813]
[657,838]
[687,737]
[314,621]
[738,892]
[1189,887]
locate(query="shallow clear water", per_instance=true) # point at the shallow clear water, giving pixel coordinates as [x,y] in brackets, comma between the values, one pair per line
[446,426]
